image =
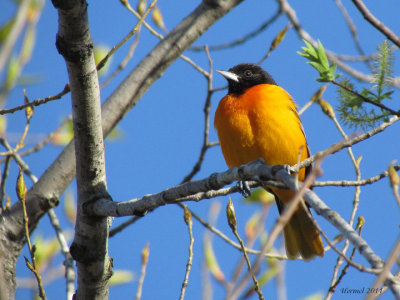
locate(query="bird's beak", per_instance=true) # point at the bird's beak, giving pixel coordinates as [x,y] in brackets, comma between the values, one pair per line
[229,75]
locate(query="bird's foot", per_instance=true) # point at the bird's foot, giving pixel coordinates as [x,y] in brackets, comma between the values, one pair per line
[244,188]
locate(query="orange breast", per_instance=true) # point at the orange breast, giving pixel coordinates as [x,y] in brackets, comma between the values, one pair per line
[261,123]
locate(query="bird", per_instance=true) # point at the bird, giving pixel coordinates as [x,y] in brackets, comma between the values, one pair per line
[258,119]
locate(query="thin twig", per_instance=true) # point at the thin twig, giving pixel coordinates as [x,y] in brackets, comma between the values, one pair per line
[362,182]
[124,62]
[376,23]
[37,102]
[224,237]
[24,167]
[206,110]
[335,281]
[161,37]
[189,223]
[145,260]
[4,177]
[102,63]
[47,139]
[243,39]
[123,225]
[21,191]
[353,31]
[385,271]
[68,261]
[259,228]
[233,224]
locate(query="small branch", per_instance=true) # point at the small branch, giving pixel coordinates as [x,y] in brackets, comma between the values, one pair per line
[145,260]
[102,63]
[4,177]
[385,271]
[376,23]
[353,31]
[206,110]
[122,226]
[243,39]
[24,167]
[161,37]
[124,62]
[68,261]
[21,192]
[46,140]
[342,254]
[37,102]
[228,240]
[233,225]
[362,182]
[189,223]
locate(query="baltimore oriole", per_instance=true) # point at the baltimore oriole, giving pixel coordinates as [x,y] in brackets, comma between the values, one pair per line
[259,119]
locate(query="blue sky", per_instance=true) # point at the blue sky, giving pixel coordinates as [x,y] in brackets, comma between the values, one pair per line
[162,136]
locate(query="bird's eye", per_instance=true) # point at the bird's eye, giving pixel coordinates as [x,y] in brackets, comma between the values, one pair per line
[248,73]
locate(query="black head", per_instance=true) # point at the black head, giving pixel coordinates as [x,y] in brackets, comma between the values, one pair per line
[244,76]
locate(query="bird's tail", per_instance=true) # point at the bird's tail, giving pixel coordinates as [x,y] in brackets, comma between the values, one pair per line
[301,235]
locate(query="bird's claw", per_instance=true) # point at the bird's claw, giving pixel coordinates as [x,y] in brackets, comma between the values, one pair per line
[287,168]
[244,188]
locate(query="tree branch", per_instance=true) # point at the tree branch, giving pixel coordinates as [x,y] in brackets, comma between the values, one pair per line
[376,23]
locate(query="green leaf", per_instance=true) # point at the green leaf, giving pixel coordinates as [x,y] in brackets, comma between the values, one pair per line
[319,61]
[310,49]
[13,72]
[322,56]
[320,68]
[6,29]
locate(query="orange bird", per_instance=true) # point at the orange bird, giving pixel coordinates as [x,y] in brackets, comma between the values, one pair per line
[259,119]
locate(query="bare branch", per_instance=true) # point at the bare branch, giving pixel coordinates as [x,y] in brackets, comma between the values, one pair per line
[243,39]
[19,24]
[37,102]
[145,260]
[376,23]
[189,222]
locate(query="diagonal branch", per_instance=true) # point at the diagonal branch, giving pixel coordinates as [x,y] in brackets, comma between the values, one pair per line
[376,23]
